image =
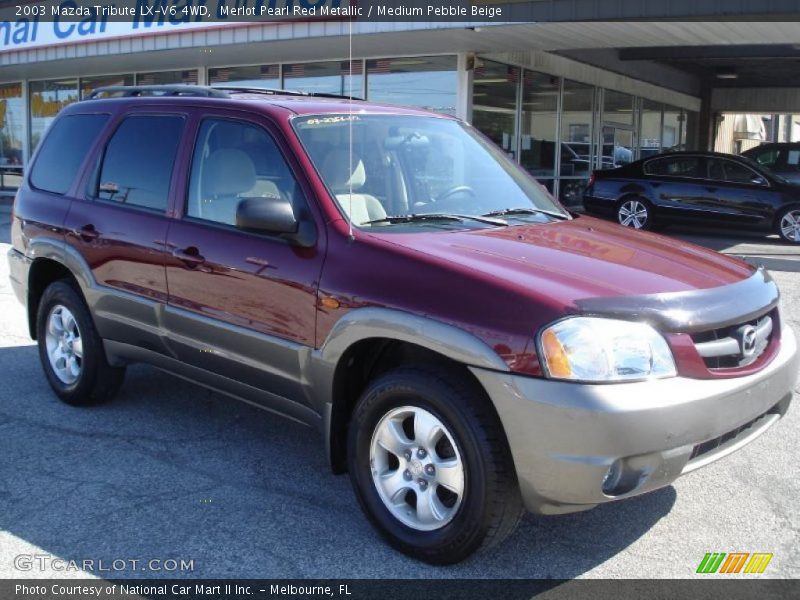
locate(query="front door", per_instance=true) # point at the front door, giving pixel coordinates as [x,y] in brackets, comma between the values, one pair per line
[241,304]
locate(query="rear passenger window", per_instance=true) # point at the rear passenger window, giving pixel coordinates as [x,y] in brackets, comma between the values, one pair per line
[63,150]
[235,161]
[684,166]
[138,161]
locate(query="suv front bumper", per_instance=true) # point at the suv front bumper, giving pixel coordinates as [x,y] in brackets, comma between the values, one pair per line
[564,437]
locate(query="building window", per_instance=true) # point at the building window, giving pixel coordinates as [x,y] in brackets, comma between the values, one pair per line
[539,129]
[494,103]
[12,127]
[167,77]
[89,84]
[47,98]
[674,136]
[650,132]
[326,78]
[427,82]
[255,76]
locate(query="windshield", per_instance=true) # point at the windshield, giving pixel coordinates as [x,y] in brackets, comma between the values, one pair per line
[406,166]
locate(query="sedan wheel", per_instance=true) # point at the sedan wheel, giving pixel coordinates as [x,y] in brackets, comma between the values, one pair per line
[634,213]
[789,226]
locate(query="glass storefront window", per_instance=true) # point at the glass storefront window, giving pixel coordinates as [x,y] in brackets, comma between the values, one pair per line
[650,133]
[12,125]
[576,129]
[494,103]
[326,78]
[539,124]
[428,82]
[256,76]
[88,84]
[673,135]
[617,108]
[188,77]
[47,98]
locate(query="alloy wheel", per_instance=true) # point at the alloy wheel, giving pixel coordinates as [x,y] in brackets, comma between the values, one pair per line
[64,344]
[790,226]
[633,213]
[416,468]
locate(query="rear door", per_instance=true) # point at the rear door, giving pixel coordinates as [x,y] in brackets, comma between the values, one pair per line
[678,185]
[242,304]
[119,223]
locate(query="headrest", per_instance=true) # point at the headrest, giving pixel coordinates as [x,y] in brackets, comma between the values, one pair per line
[336,172]
[228,172]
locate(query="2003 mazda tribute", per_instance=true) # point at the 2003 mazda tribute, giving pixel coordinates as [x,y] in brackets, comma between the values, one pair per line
[466,347]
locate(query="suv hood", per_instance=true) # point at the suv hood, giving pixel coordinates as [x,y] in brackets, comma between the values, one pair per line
[581,258]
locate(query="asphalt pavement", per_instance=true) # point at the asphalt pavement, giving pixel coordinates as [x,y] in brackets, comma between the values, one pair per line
[171,471]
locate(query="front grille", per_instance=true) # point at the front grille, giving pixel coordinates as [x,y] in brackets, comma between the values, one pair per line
[736,345]
[731,436]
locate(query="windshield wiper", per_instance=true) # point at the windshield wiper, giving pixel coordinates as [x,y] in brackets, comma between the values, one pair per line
[436,217]
[524,211]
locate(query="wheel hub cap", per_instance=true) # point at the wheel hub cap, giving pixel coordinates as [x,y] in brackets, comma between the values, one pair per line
[790,226]
[64,344]
[632,214]
[416,468]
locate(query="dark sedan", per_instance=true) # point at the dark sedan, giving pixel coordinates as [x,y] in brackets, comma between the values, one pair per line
[719,190]
[782,159]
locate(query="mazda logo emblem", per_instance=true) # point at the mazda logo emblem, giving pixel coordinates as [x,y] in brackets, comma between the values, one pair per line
[749,339]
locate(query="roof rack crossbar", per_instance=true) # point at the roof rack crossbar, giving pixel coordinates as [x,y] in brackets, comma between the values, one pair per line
[127,91]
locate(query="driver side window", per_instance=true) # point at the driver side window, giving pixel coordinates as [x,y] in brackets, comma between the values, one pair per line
[235,161]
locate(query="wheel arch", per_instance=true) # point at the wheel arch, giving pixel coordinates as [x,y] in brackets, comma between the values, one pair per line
[370,341]
[52,260]
[781,210]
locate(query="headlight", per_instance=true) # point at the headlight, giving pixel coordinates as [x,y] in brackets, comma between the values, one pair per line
[599,350]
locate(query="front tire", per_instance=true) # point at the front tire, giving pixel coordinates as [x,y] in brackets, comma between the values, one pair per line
[430,465]
[636,213]
[788,225]
[71,351]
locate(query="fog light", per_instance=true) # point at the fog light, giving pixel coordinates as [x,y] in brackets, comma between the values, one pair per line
[612,478]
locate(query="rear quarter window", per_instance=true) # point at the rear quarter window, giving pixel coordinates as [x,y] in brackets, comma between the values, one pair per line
[64,150]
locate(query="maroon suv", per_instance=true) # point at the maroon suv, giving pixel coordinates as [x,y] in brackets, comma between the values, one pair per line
[466,347]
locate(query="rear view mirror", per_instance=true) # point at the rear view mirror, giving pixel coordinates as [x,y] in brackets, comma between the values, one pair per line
[274,216]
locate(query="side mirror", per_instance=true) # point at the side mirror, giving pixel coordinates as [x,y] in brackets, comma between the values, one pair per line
[275,216]
[758,180]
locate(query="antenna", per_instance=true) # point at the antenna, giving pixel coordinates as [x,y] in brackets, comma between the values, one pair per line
[350,125]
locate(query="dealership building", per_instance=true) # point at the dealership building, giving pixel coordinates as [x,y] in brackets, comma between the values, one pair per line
[562,97]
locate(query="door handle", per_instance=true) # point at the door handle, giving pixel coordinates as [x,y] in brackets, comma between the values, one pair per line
[711,189]
[191,256]
[87,233]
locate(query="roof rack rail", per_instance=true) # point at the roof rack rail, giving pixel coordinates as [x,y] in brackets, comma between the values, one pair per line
[127,91]
[280,92]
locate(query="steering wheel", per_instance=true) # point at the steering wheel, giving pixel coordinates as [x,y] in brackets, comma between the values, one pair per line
[456,189]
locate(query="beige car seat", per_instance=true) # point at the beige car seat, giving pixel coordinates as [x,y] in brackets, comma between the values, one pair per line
[360,208]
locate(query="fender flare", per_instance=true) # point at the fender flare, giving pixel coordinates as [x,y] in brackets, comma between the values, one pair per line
[373,323]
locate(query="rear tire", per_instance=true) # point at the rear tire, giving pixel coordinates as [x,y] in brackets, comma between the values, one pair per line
[788,225]
[71,351]
[637,213]
[448,486]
